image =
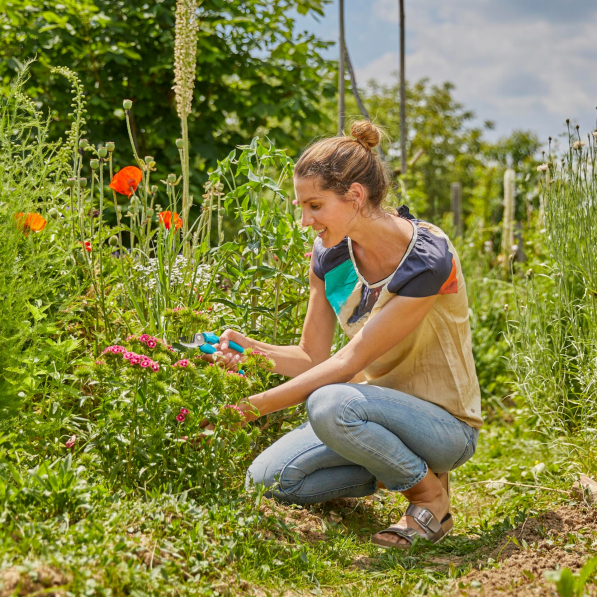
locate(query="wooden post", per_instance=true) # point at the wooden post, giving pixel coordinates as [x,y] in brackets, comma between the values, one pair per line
[403,162]
[456,204]
[509,211]
[341,69]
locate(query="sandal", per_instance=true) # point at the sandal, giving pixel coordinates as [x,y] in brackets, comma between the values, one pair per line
[433,529]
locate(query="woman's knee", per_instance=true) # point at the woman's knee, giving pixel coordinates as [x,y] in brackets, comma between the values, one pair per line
[327,410]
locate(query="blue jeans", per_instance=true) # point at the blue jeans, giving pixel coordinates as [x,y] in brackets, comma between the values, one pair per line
[358,434]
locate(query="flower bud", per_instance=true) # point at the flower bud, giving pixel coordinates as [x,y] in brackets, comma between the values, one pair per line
[82,182]
[171,178]
[83,143]
[113,241]
[148,159]
[94,164]
[127,104]
[133,210]
[110,146]
[102,152]
[149,212]
[222,212]
[95,213]
[179,143]
[53,213]
[154,189]
[135,201]
[71,182]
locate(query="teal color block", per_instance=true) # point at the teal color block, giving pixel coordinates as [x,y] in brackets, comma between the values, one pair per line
[339,284]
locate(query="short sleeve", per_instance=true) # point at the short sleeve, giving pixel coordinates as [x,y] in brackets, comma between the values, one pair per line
[325,260]
[429,270]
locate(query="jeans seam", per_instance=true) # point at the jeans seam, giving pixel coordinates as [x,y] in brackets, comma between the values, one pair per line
[362,444]
[287,464]
[303,495]
[457,463]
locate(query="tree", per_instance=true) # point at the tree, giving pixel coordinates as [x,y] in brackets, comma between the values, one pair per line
[255,73]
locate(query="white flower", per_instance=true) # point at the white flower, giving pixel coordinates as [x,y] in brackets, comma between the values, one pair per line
[543,168]
[594,133]
[578,145]
[514,248]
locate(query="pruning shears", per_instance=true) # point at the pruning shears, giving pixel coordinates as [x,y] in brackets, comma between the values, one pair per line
[204,342]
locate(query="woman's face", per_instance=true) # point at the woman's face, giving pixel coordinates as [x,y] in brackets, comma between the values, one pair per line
[330,215]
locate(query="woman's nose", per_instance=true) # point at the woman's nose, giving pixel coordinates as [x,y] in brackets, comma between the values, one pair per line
[306,219]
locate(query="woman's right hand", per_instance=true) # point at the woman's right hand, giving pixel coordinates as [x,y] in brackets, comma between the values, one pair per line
[228,357]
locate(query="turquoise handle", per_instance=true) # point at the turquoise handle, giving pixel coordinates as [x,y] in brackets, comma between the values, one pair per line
[207,349]
[213,339]
[236,347]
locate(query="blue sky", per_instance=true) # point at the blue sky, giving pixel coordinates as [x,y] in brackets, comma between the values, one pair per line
[525,64]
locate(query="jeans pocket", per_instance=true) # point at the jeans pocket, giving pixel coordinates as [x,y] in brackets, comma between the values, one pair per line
[469,450]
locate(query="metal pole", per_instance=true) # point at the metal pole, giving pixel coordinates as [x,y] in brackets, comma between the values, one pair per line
[341,73]
[403,162]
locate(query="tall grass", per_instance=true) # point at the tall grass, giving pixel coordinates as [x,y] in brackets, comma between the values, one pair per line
[554,333]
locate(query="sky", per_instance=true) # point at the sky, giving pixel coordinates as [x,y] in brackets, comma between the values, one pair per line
[524,64]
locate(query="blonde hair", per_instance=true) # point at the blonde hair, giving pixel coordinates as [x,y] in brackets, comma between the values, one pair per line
[342,161]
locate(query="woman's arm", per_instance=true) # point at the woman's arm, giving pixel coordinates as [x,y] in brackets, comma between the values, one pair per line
[316,338]
[393,323]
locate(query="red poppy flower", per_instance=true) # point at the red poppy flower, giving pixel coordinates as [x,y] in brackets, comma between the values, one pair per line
[31,221]
[87,245]
[168,218]
[127,180]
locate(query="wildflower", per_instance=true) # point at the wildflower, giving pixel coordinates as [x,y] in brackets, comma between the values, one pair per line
[127,180]
[155,366]
[594,133]
[128,355]
[99,362]
[145,363]
[87,245]
[135,359]
[168,218]
[117,349]
[308,254]
[234,407]
[151,343]
[184,411]
[181,363]
[295,202]
[578,145]
[180,418]
[144,338]
[70,442]
[30,222]
[543,168]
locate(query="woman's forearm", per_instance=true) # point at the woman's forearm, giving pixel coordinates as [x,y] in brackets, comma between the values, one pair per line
[290,361]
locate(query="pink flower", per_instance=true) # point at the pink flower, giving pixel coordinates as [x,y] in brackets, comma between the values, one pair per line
[276,258]
[135,359]
[295,202]
[129,338]
[99,362]
[180,418]
[151,343]
[155,366]
[308,255]
[117,349]
[184,411]
[144,338]
[70,442]
[128,355]
[181,363]
[145,363]
[234,407]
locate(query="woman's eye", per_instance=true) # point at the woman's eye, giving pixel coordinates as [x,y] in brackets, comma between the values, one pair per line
[315,207]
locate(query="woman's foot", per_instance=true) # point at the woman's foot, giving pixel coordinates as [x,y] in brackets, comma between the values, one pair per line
[431,494]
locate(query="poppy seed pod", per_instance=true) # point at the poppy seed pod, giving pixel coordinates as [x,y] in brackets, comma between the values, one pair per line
[148,159]
[149,213]
[102,152]
[171,178]
[83,143]
[94,164]
[179,143]
[113,240]
[71,182]
[110,146]
[82,182]
[222,212]
[53,213]
[154,189]
[127,104]
[135,201]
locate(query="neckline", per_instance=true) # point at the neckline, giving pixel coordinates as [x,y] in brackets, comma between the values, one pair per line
[411,244]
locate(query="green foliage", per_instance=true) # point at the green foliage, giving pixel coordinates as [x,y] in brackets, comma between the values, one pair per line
[255,73]
[569,584]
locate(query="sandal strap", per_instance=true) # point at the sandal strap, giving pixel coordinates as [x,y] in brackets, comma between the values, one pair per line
[407,533]
[425,519]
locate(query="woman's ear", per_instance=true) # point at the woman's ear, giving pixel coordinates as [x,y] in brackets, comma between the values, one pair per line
[358,195]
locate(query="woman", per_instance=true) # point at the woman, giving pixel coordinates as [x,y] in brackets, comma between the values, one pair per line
[399,405]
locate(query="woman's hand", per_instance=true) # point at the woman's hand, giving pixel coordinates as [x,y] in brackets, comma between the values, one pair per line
[228,357]
[249,413]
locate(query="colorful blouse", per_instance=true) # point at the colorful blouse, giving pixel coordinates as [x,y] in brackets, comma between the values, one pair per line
[435,361]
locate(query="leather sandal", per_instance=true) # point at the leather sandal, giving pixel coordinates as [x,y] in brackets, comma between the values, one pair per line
[431,528]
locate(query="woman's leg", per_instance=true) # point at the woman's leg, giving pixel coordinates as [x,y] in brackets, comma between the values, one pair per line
[397,437]
[299,468]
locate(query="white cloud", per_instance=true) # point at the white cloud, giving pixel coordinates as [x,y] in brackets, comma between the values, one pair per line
[530,71]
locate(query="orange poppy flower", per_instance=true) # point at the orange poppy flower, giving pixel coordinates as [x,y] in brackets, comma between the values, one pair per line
[127,180]
[168,218]
[30,222]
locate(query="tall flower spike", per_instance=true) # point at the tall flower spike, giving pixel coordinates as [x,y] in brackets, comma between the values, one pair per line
[185,55]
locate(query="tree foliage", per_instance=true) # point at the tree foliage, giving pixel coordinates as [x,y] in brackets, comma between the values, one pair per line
[255,73]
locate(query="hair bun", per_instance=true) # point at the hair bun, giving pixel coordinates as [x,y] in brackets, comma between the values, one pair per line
[366,133]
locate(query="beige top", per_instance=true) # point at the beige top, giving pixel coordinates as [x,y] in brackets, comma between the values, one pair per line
[435,361]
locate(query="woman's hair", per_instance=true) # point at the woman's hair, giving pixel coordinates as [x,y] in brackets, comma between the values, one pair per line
[341,161]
